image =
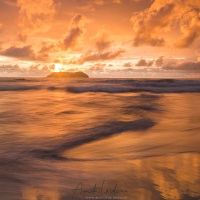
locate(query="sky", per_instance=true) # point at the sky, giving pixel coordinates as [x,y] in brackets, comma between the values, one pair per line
[103,38]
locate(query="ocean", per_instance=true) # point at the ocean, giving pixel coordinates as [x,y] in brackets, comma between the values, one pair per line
[134,139]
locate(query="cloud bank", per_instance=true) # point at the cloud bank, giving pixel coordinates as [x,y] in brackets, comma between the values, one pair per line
[163,17]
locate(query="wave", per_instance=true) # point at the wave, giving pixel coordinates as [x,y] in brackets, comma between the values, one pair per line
[181,89]
[108,86]
[125,86]
[93,134]
[19,87]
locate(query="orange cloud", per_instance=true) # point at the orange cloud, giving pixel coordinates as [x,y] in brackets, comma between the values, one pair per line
[184,66]
[101,52]
[43,53]
[101,2]
[167,16]
[160,61]
[102,42]
[24,53]
[27,52]
[128,64]
[9,2]
[101,56]
[97,68]
[145,63]
[35,16]
[30,70]
[75,30]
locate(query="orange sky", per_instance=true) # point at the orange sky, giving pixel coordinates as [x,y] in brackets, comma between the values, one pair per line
[104,38]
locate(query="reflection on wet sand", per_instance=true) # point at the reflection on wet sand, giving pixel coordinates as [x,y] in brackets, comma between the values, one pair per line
[39,194]
[167,177]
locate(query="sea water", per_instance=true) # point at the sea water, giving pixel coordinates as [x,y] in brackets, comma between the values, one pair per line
[134,139]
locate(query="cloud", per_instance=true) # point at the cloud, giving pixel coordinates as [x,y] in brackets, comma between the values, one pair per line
[43,53]
[28,71]
[143,63]
[22,37]
[1,28]
[93,57]
[24,53]
[128,64]
[184,66]
[71,38]
[101,51]
[11,69]
[148,24]
[69,41]
[75,30]
[9,3]
[101,56]
[35,16]
[163,16]
[96,68]
[160,61]
[190,34]
[101,2]
[27,52]
[102,42]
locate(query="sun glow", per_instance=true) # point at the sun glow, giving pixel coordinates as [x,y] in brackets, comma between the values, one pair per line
[58,68]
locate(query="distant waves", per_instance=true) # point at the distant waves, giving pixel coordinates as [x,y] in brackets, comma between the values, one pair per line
[105,85]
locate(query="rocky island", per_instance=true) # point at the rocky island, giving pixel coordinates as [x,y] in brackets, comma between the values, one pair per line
[68,75]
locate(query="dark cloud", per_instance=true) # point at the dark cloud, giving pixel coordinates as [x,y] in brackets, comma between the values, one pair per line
[160,61]
[71,38]
[73,34]
[27,53]
[9,2]
[76,20]
[43,53]
[24,53]
[102,42]
[144,63]
[184,66]
[101,56]
[141,62]
[128,64]
[150,63]
[142,39]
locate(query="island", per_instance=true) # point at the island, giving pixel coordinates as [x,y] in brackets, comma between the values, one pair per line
[68,75]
